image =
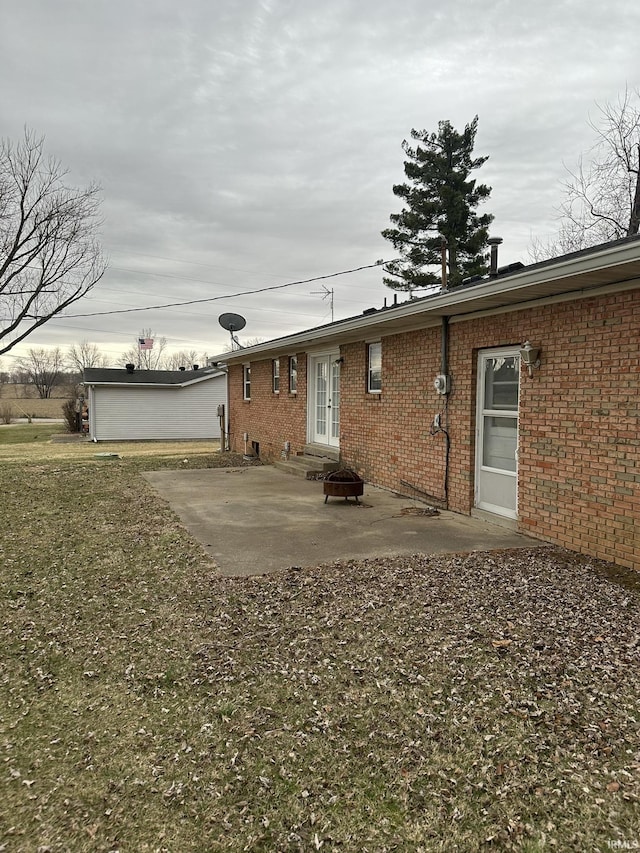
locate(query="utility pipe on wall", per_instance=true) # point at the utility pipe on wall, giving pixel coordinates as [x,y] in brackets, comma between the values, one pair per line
[444,369]
[444,346]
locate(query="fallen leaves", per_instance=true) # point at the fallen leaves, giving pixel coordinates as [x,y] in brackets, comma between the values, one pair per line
[377,705]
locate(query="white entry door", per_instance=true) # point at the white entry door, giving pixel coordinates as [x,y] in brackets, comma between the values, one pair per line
[324,410]
[497,432]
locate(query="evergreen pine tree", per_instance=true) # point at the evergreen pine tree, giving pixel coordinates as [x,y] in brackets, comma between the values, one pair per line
[440,201]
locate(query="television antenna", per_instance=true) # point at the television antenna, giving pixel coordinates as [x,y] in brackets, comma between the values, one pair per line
[233,323]
[326,294]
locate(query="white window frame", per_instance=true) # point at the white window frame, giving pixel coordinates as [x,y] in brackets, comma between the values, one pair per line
[370,389]
[275,375]
[246,381]
[293,374]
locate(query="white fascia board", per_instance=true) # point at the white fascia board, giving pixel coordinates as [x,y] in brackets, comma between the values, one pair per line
[427,311]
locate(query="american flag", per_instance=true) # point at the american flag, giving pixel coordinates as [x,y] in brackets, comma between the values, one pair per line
[145,343]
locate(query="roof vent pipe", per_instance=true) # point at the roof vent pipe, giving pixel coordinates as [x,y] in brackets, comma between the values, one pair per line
[196,367]
[182,368]
[129,368]
[494,242]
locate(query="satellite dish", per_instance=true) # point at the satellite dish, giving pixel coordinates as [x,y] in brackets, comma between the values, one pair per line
[232,323]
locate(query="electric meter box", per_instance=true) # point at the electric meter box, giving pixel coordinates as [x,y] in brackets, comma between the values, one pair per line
[442,383]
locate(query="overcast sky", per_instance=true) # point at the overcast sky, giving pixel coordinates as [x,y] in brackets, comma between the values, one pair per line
[246,143]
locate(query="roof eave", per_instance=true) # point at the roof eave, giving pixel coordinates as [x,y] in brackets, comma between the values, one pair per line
[575,273]
[192,381]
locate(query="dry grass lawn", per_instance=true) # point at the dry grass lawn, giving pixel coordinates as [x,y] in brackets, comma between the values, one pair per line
[450,703]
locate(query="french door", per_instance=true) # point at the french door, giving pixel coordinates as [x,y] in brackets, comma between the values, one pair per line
[497,432]
[324,409]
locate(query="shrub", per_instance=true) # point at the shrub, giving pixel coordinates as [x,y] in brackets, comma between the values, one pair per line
[70,415]
[6,413]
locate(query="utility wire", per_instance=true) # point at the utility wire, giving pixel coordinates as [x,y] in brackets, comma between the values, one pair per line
[228,295]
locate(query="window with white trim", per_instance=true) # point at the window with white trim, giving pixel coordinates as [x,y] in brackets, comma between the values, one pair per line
[374,368]
[246,381]
[275,374]
[293,374]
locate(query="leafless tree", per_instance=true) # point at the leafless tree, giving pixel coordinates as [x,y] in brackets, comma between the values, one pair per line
[183,358]
[248,342]
[570,238]
[146,359]
[44,368]
[602,195]
[49,257]
[84,355]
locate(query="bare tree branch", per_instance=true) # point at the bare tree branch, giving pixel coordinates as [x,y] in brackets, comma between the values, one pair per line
[183,358]
[43,367]
[49,257]
[147,359]
[84,354]
[603,194]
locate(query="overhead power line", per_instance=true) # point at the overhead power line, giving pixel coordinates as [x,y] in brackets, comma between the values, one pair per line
[229,295]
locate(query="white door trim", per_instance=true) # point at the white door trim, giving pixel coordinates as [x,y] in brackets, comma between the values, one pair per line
[496,485]
[331,435]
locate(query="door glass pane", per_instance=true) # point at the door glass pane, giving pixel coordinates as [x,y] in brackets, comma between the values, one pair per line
[500,442]
[501,375]
[321,397]
[335,400]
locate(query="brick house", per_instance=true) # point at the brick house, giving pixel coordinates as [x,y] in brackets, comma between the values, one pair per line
[552,448]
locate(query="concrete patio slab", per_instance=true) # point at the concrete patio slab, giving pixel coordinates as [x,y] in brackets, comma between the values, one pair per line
[258,519]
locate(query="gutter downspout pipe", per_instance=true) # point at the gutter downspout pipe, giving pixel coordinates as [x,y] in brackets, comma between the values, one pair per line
[444,346]
[444,369]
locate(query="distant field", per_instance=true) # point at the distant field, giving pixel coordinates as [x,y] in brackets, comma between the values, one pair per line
[24,402]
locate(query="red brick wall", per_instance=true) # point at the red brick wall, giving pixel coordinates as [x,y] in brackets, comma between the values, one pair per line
[579,461]
[270,419]
[580,430]
[385,436]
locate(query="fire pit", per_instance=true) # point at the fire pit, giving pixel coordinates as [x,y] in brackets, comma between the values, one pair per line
[343,484]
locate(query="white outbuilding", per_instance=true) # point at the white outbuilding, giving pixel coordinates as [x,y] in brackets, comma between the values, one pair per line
[127,404]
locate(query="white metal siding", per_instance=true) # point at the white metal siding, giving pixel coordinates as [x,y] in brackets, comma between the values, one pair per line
[127,413]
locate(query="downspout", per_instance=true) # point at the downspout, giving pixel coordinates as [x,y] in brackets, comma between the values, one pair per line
[441,420]
[228,441]
[225,443]
[444,369]
[444,346]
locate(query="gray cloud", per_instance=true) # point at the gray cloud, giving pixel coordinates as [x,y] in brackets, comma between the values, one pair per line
[243,144]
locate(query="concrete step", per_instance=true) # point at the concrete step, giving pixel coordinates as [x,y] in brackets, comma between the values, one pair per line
[322,451]
[301,466]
